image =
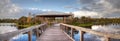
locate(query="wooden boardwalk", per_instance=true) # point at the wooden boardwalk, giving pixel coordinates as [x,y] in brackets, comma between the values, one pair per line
[54,33]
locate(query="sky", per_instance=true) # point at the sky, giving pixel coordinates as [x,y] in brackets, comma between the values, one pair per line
[93,8]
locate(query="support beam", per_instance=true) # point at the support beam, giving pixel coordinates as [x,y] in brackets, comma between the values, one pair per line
[30,36]
[81,35]
[37,32]
[72,32]
[107,39]
[64,19]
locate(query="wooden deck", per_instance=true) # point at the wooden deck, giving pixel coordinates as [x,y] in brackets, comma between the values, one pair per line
[54,33]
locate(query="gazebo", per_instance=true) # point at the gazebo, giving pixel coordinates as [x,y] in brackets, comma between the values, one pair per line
[47,16]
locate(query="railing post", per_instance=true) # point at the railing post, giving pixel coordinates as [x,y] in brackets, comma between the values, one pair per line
[66,29]
[62,27]
[71,32]
[37,32]
[81,35]
[5,40]
[43,28]
[40,30]
[30,36]
[107,39]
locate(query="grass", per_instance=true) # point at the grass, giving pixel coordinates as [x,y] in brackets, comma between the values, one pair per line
[82,24]
[25,26]
[86,24]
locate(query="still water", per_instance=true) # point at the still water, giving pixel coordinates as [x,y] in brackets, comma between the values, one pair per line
[110,28]
[8,27]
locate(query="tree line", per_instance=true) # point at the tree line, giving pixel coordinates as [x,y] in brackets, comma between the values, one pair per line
[93,21]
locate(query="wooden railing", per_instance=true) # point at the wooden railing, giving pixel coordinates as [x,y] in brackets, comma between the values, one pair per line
[38,29]
[82,30]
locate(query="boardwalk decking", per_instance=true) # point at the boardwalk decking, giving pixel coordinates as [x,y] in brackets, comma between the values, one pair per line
[54,33]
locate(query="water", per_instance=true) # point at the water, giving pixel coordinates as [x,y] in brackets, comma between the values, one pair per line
[23,37]
[8,27]
[110,28]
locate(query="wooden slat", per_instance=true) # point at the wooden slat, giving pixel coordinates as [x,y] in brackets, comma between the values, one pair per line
[54,33]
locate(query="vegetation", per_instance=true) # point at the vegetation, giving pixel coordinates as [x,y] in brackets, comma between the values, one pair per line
[83,21]
[88,21]
[21,22]
[8,20]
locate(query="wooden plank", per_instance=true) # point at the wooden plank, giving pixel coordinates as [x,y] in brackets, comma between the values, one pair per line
[37,32]
[72,33]
[54,33]
[30,36]
[81,35]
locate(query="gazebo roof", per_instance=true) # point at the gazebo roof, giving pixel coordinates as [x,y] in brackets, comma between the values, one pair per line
[53,14]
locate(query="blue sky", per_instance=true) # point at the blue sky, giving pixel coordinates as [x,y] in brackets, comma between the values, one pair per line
[55,5]
[92,8]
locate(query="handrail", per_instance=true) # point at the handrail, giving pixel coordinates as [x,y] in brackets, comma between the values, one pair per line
[9,35]
[81,29]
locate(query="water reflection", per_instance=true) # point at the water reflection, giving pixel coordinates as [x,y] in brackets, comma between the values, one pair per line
[8,27]
[110,28]
[23,37]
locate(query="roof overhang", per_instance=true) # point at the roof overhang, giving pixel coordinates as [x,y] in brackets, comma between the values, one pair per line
[54,15]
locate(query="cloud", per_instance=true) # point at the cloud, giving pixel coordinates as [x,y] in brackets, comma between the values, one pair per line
[105,8]
[85,13]
[11,10]
[40,9]
[8,10]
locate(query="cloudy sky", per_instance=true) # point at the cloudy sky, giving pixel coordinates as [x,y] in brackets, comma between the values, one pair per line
[93,8]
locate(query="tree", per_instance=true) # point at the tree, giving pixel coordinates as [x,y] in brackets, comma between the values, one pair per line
[22,20]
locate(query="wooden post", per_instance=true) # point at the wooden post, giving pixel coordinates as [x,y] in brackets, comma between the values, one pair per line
[30,36]
[37,32]
[81,35]
[62,27]
[41,30]
[67,30]
[71,32]
[64,19]
[5,40]
[107,39]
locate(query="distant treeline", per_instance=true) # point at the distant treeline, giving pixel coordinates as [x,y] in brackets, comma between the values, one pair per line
[88,21]
[82,20]
[8,20]
[21,22]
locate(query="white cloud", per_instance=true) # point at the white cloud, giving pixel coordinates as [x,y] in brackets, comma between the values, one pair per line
[46,10]
[105,8]
[8,9]
[40,9]
[85,13]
